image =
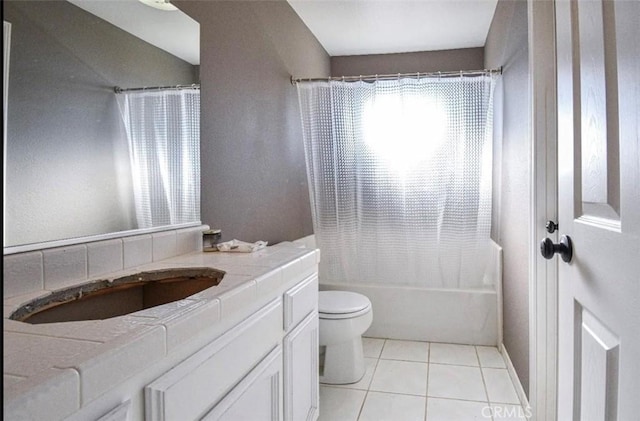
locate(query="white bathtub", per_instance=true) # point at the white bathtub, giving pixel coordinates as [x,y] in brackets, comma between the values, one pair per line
[471,316]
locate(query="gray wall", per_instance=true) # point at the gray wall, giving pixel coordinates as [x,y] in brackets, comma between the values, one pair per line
[506,46]
[67,162]
[425,61]
[254,183]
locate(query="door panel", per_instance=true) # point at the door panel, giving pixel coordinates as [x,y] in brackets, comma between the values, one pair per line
[599,208]
[599,369]
[596,136]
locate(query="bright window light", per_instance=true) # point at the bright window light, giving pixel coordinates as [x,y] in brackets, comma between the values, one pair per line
[404,130]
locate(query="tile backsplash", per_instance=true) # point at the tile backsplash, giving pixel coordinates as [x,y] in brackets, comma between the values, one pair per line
[23,273]
[54,268]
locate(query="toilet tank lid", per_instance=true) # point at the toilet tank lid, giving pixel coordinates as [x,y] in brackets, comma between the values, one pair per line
[340,302]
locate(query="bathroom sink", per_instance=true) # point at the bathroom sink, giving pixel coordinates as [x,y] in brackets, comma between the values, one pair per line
[104,299]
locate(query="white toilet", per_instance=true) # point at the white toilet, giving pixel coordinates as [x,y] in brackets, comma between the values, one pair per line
[344,317]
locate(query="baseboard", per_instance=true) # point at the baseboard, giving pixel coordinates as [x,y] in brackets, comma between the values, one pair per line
[522,396]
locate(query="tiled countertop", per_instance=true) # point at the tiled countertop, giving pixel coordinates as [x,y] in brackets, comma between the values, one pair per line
[73,363]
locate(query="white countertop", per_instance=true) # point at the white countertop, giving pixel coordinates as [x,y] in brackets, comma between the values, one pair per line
[76,362]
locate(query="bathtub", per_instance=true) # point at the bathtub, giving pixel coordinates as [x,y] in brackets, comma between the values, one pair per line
[462,316]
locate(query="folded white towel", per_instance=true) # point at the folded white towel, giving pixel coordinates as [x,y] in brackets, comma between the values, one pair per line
[241,246]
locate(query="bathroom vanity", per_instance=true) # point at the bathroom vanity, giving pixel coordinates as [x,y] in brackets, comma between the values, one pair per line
[245,349]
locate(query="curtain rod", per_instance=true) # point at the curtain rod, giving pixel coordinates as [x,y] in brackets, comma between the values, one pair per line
[416,75]
[119,90]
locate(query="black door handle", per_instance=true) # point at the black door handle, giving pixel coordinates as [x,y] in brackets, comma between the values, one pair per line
[564,248]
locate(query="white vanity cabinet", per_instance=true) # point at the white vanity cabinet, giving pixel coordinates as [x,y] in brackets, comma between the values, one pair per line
[263,369]
[244,350]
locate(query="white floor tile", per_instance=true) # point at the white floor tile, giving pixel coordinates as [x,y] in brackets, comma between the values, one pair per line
[372,347]
[502,412]
[456,382]
[366,380]
[405,350]
[340,404]
[392,407]
[490,357]
[455,410]
[400,377]
[453,354]
[499,386]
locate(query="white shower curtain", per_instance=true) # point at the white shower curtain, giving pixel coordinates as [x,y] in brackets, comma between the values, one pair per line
[400,178]
[163,131]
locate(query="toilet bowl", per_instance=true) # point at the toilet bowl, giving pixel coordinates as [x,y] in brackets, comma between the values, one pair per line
[344,317]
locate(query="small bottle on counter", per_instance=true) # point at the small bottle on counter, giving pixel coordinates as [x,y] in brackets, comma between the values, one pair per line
[210,238]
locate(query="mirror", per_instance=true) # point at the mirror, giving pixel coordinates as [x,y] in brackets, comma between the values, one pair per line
[68,170]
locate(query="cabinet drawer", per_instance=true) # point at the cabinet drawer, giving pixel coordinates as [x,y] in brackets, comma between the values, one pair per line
[194,386]
[299,301]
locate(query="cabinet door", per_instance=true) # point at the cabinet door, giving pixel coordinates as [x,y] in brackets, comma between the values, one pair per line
[195,385]
[301,371]
[257,396]
[119,413]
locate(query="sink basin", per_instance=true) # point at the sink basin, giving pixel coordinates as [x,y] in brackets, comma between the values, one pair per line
[104,299]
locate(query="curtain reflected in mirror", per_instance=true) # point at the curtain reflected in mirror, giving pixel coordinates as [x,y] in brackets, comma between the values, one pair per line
[69,173]
[163,133]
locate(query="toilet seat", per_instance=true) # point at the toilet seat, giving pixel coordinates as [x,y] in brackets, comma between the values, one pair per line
[342,304]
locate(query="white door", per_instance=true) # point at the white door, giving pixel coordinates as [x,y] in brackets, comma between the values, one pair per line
[598,45]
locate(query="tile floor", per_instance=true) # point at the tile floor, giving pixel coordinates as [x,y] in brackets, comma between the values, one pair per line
[422,381]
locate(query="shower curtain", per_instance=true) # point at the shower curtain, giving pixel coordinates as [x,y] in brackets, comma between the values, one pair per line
[163,132]
[399,178]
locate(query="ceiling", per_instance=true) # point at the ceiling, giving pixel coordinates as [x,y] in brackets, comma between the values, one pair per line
[355,27]
[172,31]
[343,27]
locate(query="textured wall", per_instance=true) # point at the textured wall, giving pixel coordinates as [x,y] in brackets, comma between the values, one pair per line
[426,61]
[67,161]
[254,183]
[507,46]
